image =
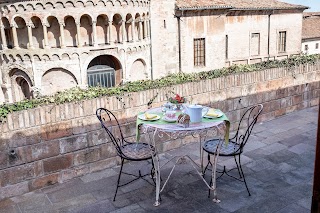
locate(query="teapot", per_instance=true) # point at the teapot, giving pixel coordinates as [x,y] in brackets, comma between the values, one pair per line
[195,112]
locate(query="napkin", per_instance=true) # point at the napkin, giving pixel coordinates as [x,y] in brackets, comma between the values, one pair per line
[149,116]
[212,113]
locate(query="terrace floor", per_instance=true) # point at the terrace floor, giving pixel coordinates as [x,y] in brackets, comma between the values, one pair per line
[278,163]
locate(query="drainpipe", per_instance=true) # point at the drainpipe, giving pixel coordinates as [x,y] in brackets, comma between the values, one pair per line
[269,21]
[269,36]
[179,41]
[150,34]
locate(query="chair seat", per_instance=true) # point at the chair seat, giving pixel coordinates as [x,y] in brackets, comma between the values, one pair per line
[138,151]
[227,150]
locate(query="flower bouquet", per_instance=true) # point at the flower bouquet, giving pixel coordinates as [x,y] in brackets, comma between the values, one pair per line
[177,101]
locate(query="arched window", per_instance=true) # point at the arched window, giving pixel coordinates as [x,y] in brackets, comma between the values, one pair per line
[104,71]
[101,75]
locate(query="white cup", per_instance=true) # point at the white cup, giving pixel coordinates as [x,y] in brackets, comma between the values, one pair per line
[170,114]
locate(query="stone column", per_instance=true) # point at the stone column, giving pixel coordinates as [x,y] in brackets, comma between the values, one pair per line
[3,38]
[110,32]
[140,30]
[30,26]
[62,35]
[94,34]
[78,34]
[45,36]
[145,28]
[132,29]
[123,30]
[15,37]
[148,28]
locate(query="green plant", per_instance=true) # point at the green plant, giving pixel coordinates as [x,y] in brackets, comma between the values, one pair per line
[78,94]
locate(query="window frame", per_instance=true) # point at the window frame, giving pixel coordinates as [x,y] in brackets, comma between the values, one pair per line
[199,52]
[282,41]
[259,42]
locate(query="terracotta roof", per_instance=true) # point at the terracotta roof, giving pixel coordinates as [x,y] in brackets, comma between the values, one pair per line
[306,14]
[311,27]
[236,4]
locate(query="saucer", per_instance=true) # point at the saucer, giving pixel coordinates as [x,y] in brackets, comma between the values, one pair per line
[170,120]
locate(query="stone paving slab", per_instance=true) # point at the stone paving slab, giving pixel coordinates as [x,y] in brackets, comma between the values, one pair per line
[278,163]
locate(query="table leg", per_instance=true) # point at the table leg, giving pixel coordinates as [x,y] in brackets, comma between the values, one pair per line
[214,173]
[156,162]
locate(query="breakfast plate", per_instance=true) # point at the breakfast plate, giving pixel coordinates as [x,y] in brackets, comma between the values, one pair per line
[154,117]
[217,112]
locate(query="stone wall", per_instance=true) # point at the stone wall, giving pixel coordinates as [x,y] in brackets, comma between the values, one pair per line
[56,143]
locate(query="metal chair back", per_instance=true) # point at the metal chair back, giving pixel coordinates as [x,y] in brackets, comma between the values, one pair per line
[111,124]
[248,120]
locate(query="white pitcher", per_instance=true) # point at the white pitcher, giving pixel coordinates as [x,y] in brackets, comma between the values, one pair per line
[195,112]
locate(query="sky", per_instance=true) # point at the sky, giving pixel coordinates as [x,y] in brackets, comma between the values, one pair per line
[313,4]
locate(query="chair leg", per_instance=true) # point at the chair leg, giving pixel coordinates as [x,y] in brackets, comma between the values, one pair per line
[235,159]
[244,179]
[114,198]
[209,162]
[153,172]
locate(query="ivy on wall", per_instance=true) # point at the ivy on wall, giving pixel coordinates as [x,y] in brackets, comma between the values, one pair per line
[77,94]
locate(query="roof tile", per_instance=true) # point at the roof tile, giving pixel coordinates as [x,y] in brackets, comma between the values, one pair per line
[238,4]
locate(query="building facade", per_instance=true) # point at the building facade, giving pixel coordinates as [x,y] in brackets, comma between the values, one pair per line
[311,33]
[48,46]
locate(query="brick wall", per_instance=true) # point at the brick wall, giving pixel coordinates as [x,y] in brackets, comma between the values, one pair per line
[56,143]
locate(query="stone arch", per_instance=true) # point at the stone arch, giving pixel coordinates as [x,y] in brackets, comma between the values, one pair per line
[137,19]
[39,6]
[70,31]
[21,85]
[59,5]
[21,8]
[6,9]
[104,70]
[45,57]
[36,58]
[55,57]
[13,8]
[102,29]
[8,32]
[30,7]
[143,24]
[117,21]
[89,4]
[79,4]
[109,3]
[49,6]
[37,32]
[125,3]
[26,57]
[19,58]
[22,32]
[86,30]
[65,56]
[69,4]
[53,32]
[57,79]
[117,3]
[138,70]
[101,3]
[128,27]
[11,58]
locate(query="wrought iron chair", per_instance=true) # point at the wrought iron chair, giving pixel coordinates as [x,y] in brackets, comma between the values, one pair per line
[236,144]
[131,151]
